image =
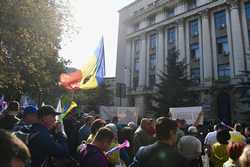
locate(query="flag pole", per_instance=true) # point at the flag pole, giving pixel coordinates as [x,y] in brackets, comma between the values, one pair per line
[72,95]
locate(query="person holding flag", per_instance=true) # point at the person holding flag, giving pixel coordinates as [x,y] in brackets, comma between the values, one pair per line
[71,126]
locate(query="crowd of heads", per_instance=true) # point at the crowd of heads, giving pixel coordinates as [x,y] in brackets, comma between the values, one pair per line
[103,134]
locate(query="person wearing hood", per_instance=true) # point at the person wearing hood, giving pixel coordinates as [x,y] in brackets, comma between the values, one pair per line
[93,154]
[219,150]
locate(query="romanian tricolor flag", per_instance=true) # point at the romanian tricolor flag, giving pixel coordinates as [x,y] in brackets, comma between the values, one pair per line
[90,76]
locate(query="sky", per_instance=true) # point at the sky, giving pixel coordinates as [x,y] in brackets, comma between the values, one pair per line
[94,18]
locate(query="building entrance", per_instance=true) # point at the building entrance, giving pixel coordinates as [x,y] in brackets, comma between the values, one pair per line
[224,107]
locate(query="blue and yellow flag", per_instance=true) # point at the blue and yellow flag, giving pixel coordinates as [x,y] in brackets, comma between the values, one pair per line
[90,76]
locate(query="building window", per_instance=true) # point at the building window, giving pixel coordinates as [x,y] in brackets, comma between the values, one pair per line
[152,41]
[249,36]
[247,8]
[195,75]
[191,4]
[136,65]
[137,46]
[222,46]
[169,12]
[152,63]
[171,35]
[223,71]
[151,80]
[150,5]
[220,20]
[195,53]
[135,82]
[151,19]
[136,73]
[194,28]
[136,26]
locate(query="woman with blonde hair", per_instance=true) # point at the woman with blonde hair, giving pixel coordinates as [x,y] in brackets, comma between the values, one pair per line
[245,157]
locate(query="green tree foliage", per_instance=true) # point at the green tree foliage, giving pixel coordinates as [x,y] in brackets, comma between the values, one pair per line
[92,98]
[30,36]
[99,96]
[174,88]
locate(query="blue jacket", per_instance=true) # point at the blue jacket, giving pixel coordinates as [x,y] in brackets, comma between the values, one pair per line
[43,145]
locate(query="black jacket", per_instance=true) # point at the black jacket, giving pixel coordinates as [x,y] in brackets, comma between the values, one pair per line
[158,155]
[71,129]
[8,122]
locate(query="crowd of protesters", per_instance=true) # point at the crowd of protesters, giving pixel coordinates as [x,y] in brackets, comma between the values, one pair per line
[31,137]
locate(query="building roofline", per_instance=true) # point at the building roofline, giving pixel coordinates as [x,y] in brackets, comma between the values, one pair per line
[129,5]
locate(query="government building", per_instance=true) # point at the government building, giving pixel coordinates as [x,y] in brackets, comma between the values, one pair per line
[212,38]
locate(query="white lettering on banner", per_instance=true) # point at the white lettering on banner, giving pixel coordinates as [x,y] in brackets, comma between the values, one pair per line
[190,114]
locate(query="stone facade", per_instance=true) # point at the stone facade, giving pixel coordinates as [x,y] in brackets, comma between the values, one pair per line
[212,37]
[110,82]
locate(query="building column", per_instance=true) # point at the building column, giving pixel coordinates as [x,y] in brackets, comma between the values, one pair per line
[143,54]
[237,40]
[181,39]
[140,104]
[245,34]
[206,47]
[187,48]
[160,54]
[128,67]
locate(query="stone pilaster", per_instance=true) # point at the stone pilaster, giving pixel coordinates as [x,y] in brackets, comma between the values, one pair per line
[207,48]
[128,67]
[181,39]
[237,39]
[143,54]
[160,54]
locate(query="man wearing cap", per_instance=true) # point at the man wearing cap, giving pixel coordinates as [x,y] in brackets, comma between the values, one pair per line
[42,144]
[29,118]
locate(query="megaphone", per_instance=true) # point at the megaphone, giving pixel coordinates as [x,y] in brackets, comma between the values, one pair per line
[71,107]
[125,144]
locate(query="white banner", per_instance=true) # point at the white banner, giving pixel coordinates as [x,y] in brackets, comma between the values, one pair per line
[107,113]
[190,114]
[124,114]
[127,114]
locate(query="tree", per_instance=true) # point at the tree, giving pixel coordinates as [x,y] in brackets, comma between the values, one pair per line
[99,96]
[30,36]
[174,88]
[92,98]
